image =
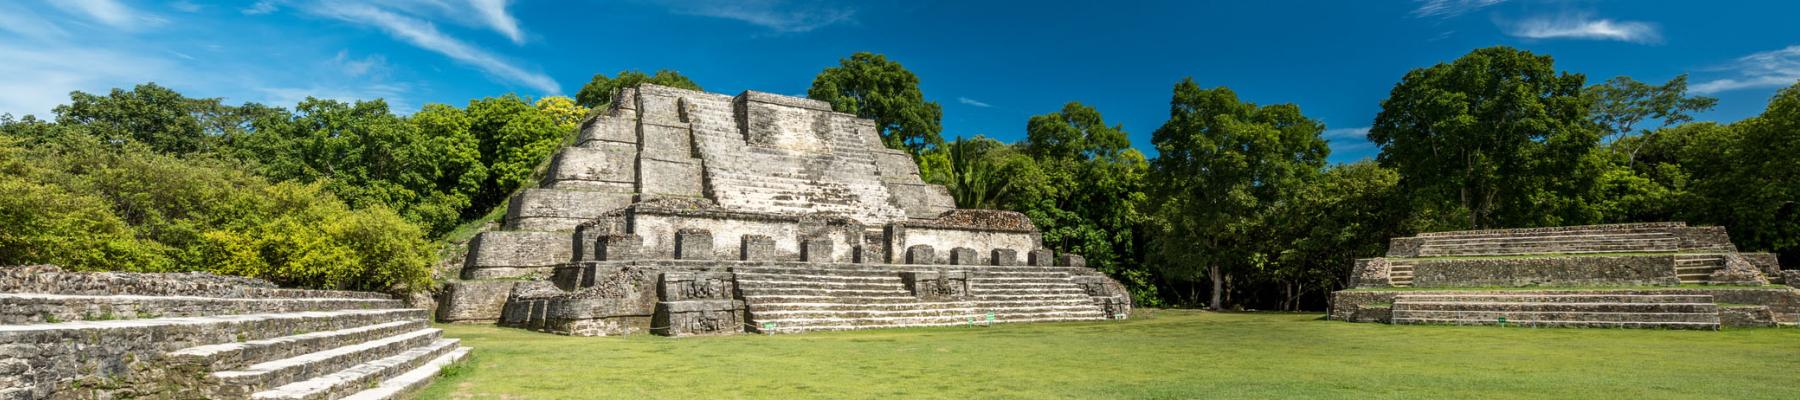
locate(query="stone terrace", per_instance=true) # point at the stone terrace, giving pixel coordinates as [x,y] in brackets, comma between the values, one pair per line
[124,335]
[1576,266]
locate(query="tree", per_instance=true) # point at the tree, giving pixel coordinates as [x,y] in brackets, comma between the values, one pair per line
[1315,235]
[515,137]
[1621,103]
[1495,138]
[154,115]
[871,86]
[597,93]
[1744,177]
[1224,164]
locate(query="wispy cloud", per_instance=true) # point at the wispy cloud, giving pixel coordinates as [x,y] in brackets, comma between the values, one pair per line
[1346,133]
[1774,68]
[423,34]
[35,79]
[354,67]
[778,15]
[186,6]
[23,22]
[1450,8]
[493,13]
[973,102]
[260,8]
[1580,26]
[109,12]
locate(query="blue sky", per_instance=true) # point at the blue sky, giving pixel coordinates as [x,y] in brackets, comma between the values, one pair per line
[991,64]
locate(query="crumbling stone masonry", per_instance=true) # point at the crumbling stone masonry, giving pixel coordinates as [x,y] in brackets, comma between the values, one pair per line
[681,212]
[72,335]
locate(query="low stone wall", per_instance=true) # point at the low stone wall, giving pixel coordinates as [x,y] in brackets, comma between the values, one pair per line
[53,279]
[473,301]
[1783,303]
[1546,271]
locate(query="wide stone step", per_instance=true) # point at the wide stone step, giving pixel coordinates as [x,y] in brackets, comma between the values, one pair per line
[33,308]
[1628,307]
[871,278]
[1566,237]
[1563,323]
[228,356]
[843,273]
[1557,298]
[789,291]
[1032,297]
[1592,316]
[273,374]
[1645,231]
[363,376]
[219,329]
[979,291]
[893,285]
[835,306]
[754,299]
[819,314]
[399,386]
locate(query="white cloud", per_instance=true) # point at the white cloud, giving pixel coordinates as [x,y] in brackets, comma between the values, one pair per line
[1346,133]
[425,35]
[186,6]
[372,65]
[109,12]
[1579,26]
[36,79]
[23,22]
[1450,8]
[260,8]
[1774,68]
[973,102]
[493,12]
[778,15]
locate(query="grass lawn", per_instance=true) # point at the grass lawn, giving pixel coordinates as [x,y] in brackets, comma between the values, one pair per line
[1158,354]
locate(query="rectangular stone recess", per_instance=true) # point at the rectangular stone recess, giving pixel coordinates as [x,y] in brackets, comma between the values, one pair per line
[816,250]
[618,247]
[936,285]
[693,244]
[757,248]
[473,301]
[1071,260]
[668,178]
[920,254]
[1656,270]
[698,317]
[506,252]
[1039,258]
[692,285]
[1004,257]
[963,256]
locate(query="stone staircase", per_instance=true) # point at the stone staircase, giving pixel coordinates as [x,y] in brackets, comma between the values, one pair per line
[1399,274]
[1697,268]
[802,299]
[1569,242]
[1560,309]
[240,343]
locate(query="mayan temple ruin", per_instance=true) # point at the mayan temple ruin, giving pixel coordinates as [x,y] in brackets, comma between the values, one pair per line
[680,212]
[1648,275]
[102,335]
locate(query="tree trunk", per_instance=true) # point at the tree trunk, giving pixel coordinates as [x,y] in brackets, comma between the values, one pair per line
[1218,288]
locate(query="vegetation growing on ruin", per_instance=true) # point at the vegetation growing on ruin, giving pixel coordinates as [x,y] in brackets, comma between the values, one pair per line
[1159,354]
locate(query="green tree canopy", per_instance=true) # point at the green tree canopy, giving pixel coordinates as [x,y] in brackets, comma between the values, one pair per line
[871,86]
[1495,138]
[597,93]
[1224,164]
[159,117]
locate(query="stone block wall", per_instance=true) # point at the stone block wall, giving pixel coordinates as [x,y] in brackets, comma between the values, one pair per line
[1546,271]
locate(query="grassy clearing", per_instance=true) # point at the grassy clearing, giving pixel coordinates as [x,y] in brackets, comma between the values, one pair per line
[1166,354]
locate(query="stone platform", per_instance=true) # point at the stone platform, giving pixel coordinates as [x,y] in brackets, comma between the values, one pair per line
[200,336]
[1650,275]
[682,212]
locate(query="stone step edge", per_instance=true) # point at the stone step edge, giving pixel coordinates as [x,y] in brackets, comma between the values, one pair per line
[304,361]
[311,388]
[207,352]
[413,380]
[216,319]
[1405,321]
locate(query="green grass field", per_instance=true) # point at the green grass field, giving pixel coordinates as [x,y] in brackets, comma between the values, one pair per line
[1158,354]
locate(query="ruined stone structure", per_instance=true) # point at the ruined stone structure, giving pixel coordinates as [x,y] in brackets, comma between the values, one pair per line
[71,335]
[1661,275]
[681,212]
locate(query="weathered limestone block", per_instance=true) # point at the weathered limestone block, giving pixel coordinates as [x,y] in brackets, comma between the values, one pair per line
[1115,307]
[602,166]
[699,318]
[667,143]
[1746,317]
[921,200]
[963,256]
[474,301]
[920,254]
[757,248]
[621,128]
[816,249]
[937,286]
[1697,238]
[896,166]
[1737,271]
[1040,258]
[693,244]
[1768,263]
[508,254]
[620,301]
[560,210]
[660,108]
[660,178]
[692,285]
[1373,273]
[618,247]
[1071,260]
[1655,270]
[1095,286]
[1004,257]
[1405,246]
[1791,277]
